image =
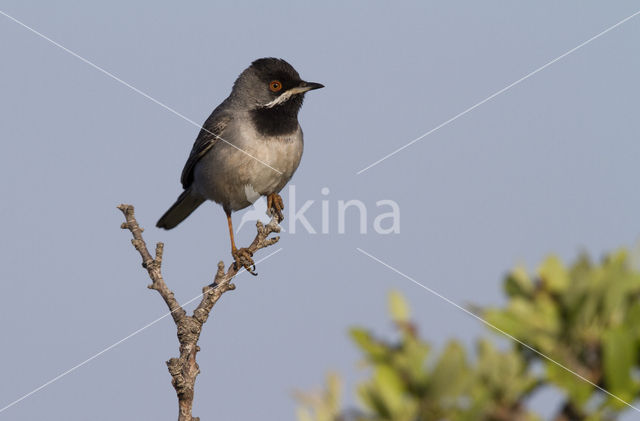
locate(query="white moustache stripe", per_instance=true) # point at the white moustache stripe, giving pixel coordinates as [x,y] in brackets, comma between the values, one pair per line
[284,97]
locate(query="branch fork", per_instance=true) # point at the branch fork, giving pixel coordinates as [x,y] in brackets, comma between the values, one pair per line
[184,369]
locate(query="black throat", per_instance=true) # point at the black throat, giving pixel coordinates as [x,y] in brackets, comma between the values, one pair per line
[279,120]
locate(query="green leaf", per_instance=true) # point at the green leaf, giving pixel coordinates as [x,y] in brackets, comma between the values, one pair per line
[451,373]
[390,388]
[578,390]
[553,274]
[372,348]
[518,283]
[398,307]
[410,359]
[632,319]
[620,352]
[534,322]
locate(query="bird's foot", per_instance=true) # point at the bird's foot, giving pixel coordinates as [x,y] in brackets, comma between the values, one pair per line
[275,205]
[243,259]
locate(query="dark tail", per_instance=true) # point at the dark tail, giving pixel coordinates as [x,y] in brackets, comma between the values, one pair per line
[186,203]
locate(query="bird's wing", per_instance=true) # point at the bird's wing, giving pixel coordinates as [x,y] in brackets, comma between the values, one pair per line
[209,135]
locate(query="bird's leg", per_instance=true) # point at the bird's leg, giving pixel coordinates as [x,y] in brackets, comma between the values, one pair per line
[242,256]
[275,205]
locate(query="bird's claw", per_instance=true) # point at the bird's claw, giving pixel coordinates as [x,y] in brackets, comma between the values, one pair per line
[275,205]
[243,259]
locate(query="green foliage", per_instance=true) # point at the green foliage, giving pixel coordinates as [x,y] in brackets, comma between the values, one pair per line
[584,317]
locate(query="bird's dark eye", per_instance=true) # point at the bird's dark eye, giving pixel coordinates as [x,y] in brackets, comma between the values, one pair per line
[275,85]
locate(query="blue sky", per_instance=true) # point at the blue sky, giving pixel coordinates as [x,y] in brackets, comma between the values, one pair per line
[551,165]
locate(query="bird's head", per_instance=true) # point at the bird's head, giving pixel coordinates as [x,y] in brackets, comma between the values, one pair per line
[271,83]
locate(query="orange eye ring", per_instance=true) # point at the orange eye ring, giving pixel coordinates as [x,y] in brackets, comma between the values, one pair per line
[275,85]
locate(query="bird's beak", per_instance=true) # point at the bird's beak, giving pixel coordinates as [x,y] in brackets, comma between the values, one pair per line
[309,86]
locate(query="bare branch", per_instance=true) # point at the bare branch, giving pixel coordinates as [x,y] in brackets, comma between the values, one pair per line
[152,265]
[184,369]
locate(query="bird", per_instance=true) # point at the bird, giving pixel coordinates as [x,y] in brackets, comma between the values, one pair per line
[251,142]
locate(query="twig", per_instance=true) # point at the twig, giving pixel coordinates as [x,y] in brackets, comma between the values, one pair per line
[184,369]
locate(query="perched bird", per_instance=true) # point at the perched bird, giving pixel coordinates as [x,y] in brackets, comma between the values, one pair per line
[250,146]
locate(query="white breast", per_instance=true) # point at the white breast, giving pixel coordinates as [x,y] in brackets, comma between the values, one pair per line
[280,157]
[227,173]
